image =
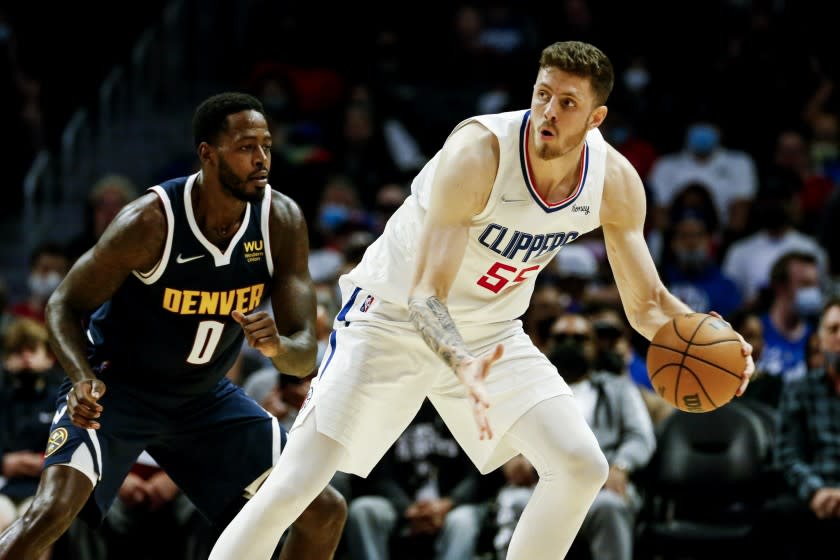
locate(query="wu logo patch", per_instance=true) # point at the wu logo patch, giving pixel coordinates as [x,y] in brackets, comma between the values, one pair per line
[58,437]
[253,250]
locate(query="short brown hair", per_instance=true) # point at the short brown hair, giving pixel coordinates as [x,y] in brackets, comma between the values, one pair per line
[582,59]
[24,334]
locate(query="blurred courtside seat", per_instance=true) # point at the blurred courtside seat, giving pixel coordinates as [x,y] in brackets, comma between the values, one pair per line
[703,485]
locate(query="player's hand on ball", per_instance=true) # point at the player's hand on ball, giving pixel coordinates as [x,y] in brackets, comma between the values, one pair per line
[260,332]
[472,374]
[82,406]
[746,350]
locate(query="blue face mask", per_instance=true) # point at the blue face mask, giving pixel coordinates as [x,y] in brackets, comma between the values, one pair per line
[808,301]
[333,216]
[702,139]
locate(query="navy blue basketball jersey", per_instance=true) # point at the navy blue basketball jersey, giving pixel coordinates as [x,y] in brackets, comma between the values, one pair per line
[173,324]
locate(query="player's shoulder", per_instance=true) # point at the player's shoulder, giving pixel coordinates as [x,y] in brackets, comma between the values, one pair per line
[473,142]
[624,195]
[283,206]
[620,176]
[143,215]
[285,215]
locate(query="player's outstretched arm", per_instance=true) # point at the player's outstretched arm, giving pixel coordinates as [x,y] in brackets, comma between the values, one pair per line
[133,241]
[290,343]
[647,303]
[462,185]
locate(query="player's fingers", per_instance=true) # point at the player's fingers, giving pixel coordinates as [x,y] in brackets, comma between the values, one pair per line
[718,315]
[479,395]
[746,348]
[97,388]
[238,316]
[267,331]
[747,373]
[486,431]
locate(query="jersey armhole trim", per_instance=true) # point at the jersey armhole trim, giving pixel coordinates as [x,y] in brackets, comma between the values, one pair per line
[156,272]
[264,220]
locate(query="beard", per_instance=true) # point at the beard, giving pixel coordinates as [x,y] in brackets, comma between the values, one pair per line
[236,186]
[546,151]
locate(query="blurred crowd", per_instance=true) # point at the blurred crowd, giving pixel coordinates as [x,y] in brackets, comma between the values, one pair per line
[735,133]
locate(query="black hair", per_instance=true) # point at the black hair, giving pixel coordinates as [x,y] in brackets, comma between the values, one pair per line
[210,119]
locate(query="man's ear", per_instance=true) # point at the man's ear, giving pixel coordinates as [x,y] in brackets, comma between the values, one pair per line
[598,116]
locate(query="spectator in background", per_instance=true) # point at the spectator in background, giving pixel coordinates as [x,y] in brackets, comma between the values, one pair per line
[792,153]
[107,197]
[548,301]
[576,270]
[730,175]
[389,197]
[27,403]
[425,490]
[748,261]
[788,323]
[825,144]
[621,351]
[691,273]
[364,152]
[48,265]
[804,522]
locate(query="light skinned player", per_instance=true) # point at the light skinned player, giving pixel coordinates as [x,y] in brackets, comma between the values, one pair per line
[439,294]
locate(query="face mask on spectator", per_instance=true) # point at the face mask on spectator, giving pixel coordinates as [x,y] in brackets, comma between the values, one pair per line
[570,360]
[43,285]
[610,361]
[808,301]
[692,259]
[27,381]
[702,139]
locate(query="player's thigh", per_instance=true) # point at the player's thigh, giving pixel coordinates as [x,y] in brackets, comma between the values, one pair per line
[103,456]
[520,380]
[216,454]
[371,384]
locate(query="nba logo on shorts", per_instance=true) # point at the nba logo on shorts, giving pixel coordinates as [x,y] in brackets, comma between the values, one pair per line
[367,303]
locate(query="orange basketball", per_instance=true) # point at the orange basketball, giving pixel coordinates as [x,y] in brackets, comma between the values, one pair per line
[695,363]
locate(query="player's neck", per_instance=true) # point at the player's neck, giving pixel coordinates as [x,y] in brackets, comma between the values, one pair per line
[217,213]
[557,178]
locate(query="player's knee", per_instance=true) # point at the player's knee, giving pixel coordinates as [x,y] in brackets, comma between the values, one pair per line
[327,511]
[590,465]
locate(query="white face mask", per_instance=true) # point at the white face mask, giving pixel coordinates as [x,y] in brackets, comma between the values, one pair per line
[43,285]
[808,301]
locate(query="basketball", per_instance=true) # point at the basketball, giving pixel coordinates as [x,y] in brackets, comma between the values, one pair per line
[695,363]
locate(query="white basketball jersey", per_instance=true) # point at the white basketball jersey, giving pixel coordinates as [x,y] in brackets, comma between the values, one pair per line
[510,241]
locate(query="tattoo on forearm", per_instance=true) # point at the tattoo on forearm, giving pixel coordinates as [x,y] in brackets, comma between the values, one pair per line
[432,319]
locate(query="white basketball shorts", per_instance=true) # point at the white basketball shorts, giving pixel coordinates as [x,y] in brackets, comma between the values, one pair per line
[377,370]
